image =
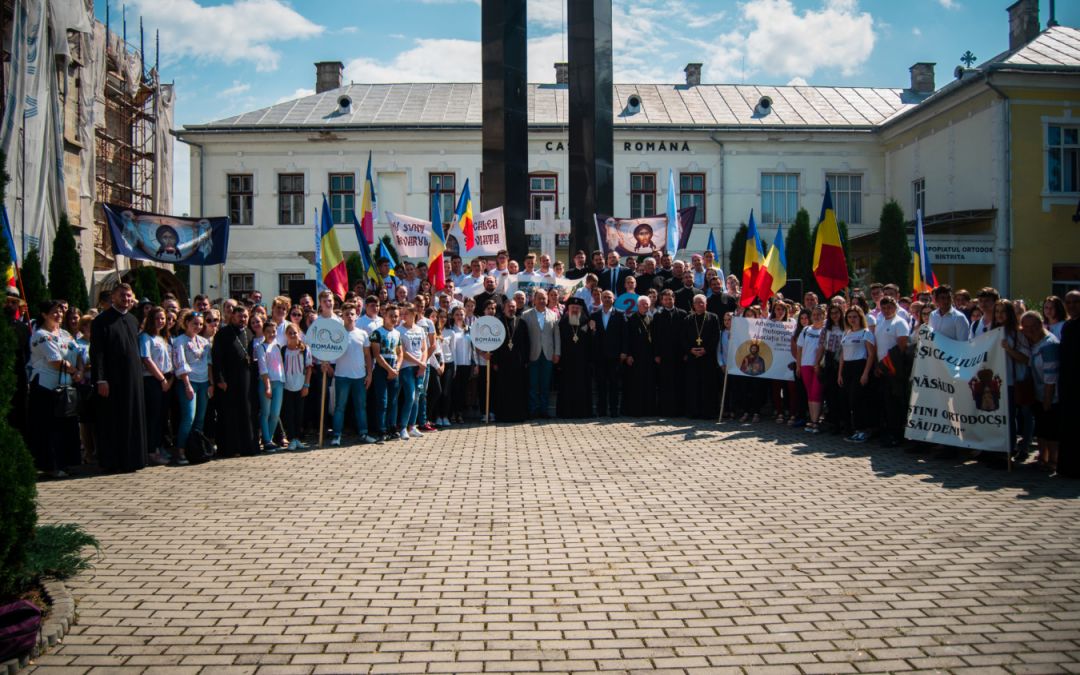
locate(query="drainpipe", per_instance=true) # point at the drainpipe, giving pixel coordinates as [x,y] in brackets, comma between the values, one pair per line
[723,203]
[202,173]
[1003,236]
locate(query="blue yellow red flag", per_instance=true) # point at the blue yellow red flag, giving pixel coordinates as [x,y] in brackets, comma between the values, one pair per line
[464,216]
[334,274]
[830,266]
[753,263]
[436,270]
[924,278]
[369,207]
[774,271]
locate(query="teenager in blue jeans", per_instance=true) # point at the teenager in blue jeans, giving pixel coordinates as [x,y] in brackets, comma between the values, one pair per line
[191,357]
[413,367]
[271,363]
[385,356]
[352,377]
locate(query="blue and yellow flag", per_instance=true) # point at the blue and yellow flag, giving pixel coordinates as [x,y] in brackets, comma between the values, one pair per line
[371,272]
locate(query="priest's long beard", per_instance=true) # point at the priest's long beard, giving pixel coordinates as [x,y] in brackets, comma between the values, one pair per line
[574,319]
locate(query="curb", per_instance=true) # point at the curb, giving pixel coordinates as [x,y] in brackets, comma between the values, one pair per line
[52,630]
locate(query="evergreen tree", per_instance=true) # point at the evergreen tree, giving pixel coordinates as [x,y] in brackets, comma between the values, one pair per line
[800,252]
[34,281]
[145,284]
[894,259]
[354,267]
[18,493]
[738,251]
[66,278]
[395,257]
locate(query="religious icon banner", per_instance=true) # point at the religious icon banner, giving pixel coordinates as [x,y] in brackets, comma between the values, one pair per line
[641,236]
[412,236]
[958,392]
[760,348]
[167,239]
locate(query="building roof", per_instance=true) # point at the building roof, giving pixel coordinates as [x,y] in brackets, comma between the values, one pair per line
[1055,46]
[662,106]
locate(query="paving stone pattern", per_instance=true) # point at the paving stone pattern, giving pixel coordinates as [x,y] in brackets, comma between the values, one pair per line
[561,547]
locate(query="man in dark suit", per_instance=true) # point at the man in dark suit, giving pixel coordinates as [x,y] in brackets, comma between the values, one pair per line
[646,276]
[613,278]
[578,269]
[719,302]
[489,294]
[684,297]
[608,326]
[675,279]
[669,331]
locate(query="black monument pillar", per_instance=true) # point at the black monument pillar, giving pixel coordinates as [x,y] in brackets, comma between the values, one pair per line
[592,147]
[506,118]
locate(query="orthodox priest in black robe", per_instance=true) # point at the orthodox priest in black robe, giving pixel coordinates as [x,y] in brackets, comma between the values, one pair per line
[510,399]
[232,377]
[117,372]
[639,377]
[669,328]
[701,336]
[1069,388]
[575,372]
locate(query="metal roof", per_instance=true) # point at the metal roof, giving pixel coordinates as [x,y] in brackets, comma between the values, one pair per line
[1055,46]
[662,105]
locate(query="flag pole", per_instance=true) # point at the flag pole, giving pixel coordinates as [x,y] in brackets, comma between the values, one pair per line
[322,410]
[487,390]
[723,392]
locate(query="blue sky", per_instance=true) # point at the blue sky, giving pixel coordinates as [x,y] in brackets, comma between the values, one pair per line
[228,57]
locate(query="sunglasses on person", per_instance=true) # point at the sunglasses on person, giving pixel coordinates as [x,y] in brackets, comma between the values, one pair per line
[213,321]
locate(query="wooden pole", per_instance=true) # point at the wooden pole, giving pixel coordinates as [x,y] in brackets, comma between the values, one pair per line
[487,391]
[723,396]
[322,411]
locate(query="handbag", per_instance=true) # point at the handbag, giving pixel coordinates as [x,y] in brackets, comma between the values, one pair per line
[65,399]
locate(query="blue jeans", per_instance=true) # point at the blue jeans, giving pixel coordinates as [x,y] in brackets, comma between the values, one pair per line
[539,385]
[270,410]
[421,397]
[344,389]
[410,393]
[386,394]
[192,411]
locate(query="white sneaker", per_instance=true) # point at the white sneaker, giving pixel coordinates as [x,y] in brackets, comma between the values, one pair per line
[415,432]
[335,442]
[367,440]
[404,435]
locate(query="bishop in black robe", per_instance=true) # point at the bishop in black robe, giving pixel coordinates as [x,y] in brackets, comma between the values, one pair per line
[510,400]
[575,372]
[232,368]
[669,331]
[639,378]
[701,336]
[1069,392]
[117,373]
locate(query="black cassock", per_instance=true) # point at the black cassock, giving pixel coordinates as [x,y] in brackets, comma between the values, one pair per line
[232,363]
[668,336]
[575,372]
[120,424]
[1069,397]
[510,382]
[639,379]
[702,397]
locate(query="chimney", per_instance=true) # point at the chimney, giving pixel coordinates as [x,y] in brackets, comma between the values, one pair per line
[693,74]
[1023,23]
[922,78]
[562,72]
[328,75]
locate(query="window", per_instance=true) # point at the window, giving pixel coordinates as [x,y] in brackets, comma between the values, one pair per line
[544,187]
[241,198]
[441,187]
[241,285]
[342,197]
[847,196]
[692,193]
[642,195]
[1062,158]
[779,198]
[284,279]
[291,199]
[918,195]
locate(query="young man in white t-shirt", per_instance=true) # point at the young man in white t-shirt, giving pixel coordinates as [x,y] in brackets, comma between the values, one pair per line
[352,378]
[891,331]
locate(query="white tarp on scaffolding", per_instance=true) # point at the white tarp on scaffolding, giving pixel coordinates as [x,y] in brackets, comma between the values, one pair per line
[91,116]
[163,149]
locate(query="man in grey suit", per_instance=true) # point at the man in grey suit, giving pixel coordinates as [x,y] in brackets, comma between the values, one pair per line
[544,351]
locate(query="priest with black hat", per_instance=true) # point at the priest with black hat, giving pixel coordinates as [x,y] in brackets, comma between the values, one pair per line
[574,377]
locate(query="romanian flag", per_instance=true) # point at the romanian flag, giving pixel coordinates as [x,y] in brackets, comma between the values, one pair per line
[774,272]
[436,270]
[753,264]
[924,278]
[334,275]
[712,248]
[463,216]
[11,278]
[830,266]
[369,208]
[371,272]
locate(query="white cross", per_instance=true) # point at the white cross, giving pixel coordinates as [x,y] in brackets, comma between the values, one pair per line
[547,227]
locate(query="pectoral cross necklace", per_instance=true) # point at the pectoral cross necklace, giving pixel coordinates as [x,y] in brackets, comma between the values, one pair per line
[700,327]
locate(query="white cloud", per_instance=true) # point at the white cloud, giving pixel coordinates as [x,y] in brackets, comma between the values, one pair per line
[797,82]
[299,93]
[430,60]
[916,31]
[949,4]
[237,88]
[243,30]
[348,30]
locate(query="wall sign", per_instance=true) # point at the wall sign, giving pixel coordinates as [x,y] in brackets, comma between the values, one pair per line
[947,249]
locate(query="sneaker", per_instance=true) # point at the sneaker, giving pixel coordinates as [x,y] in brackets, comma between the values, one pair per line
[367,440]
[335,442]
[428,427]
[414,432]
[294,444]
[404,435]
[300,445]
[182,461]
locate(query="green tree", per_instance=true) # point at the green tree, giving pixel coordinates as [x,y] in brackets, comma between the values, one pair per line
[894,259]
[800,251]
[145,284]
[354,267]
[738,251]
[34,281]
[18,511]
[66,278]
[395,257]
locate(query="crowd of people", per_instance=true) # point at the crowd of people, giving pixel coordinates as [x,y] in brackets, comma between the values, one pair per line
[135,383]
